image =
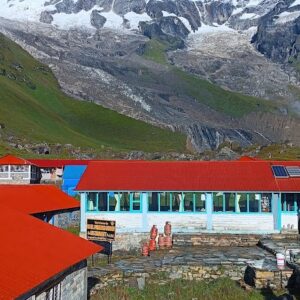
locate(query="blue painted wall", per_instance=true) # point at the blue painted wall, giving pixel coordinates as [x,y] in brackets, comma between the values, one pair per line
[71,177]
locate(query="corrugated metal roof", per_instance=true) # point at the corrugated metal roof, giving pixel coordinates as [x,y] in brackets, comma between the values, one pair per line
[13,160]
[184,176]
[33,251]
[58,163]
[36,198]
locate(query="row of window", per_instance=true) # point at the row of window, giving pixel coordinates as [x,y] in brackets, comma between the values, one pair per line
[242,202]
[14,168]
[189,202]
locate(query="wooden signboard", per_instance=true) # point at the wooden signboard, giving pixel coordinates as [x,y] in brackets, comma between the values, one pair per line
[101,230]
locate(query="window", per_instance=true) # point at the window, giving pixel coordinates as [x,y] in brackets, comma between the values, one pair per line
[199,200]
[218,201]
[153,201]
[266,202]
[164,199]
[242,203]
[92,201]
[20,168]
[254,202]
[176,200]
[124,201]
[112,201]
[289,202]
[102,201]
[229,202]
[3,168]
[189,202]
[53,293]
[136,201]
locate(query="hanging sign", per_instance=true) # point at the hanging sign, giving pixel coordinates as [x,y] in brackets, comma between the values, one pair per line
[101,230]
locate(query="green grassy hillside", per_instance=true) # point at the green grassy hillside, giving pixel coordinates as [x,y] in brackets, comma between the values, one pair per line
[230,103]
[33,106]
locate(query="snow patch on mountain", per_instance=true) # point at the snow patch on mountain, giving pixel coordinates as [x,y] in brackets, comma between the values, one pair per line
[286,16]
[68,21]
[297,2]
[135,18]
[23,10]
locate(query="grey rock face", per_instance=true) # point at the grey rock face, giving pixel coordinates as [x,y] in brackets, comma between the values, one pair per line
[170,29]
[275,39]
[122,7]
[46,17]
[217,12]
[97,20]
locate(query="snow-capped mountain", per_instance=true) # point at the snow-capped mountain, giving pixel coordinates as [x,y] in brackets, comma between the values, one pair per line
[246,46]
[126,14]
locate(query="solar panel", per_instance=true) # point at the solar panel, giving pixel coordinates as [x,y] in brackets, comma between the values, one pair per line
[280,171]
[293,171]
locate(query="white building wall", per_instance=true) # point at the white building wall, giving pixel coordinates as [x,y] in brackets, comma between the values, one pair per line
[125,222]
[289,221]
[181,222]
[243,222]
[133,222]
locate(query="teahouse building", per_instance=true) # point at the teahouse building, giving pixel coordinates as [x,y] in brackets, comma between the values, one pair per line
[15,170]
[233,196]
[53,169]
[45,202]
[40,261]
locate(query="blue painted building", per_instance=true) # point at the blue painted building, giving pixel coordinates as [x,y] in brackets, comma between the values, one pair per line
[71,177]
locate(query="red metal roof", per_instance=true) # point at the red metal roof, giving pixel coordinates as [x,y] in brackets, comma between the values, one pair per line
[58,163]
[33,251]
[13,160]
[184,176]
[36,198]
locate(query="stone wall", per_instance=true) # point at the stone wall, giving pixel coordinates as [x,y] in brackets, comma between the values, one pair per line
[67,219]
[267,278]
[166,273]
[216,240]
[72,284]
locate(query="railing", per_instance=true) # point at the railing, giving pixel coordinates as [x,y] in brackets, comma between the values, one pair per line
[14,175]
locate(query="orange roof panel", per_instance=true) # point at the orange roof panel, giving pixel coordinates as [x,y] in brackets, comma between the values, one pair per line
[13,160]
[179,176]
[33,251]
[36,198]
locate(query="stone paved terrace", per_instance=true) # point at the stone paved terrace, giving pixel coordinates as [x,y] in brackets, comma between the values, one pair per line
[198,263]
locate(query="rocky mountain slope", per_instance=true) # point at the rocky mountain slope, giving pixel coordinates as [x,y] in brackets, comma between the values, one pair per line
[100,51]
[34,110]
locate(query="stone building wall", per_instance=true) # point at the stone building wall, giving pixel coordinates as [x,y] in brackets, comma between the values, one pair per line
[72,284]
[216,240]
[67,219]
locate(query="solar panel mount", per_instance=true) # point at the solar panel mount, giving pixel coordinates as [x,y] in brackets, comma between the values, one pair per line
[293,171]
[280,172]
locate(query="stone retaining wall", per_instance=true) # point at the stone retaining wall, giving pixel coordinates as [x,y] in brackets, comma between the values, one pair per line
[216,240]
[67,219]
[164,274]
